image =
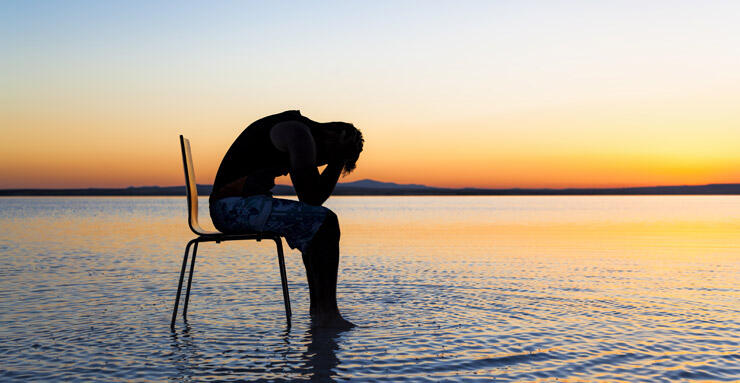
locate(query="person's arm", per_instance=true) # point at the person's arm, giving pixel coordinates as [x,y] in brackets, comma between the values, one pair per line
[310,186]
[330,176]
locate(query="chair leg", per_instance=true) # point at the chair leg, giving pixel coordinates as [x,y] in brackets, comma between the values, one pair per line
[179,285]
[283,278]
[190,281]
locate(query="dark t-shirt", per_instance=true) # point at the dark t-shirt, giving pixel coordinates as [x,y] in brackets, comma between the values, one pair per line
[253,155]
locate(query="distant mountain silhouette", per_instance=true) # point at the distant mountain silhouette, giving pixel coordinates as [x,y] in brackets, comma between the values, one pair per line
[372,184]
[372,187]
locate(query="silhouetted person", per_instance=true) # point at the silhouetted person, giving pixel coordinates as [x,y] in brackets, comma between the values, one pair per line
[241,201]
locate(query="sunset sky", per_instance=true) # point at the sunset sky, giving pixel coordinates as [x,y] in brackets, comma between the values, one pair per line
[481,94]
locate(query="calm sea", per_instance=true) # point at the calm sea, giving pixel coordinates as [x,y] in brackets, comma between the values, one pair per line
[442,288]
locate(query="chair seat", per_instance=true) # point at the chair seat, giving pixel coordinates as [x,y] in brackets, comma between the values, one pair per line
[201,232]
[217,235]
[208,233]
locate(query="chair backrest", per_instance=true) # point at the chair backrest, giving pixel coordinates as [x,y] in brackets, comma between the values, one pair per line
[191,189]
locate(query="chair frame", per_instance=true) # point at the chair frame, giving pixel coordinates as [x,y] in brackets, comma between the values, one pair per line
[191,192]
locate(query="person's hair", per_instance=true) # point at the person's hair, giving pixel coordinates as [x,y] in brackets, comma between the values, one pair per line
[353,136]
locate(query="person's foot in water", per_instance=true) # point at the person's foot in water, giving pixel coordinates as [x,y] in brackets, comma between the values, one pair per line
[332,320]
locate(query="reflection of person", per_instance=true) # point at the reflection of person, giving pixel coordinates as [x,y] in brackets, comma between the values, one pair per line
[320,357]
[241,200]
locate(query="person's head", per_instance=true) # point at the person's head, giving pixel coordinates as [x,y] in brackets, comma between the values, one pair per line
[342,141]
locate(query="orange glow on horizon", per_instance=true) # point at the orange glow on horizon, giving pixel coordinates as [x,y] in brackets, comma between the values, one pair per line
[517,151]
[115,167]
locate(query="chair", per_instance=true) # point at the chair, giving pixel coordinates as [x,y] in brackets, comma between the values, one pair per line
[214,236]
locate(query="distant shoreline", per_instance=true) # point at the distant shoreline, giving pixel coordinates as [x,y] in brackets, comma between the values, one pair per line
[389,189]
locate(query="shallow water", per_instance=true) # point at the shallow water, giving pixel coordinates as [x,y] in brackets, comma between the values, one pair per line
[442,288]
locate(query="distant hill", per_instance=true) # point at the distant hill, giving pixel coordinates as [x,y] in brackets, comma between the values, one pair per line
[372,187]
[372,184]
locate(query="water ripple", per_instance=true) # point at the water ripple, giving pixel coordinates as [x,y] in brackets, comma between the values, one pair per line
[91,301]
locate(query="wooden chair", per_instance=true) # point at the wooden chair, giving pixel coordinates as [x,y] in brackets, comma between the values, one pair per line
[214,236]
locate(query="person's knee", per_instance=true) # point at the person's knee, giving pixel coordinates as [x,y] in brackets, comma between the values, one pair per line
[327,236]
[331,224]
[329,230]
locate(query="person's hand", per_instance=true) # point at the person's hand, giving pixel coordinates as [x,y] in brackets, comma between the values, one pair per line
[337,161]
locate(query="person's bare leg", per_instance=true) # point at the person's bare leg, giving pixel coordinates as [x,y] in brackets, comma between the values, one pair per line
[321,259]
[311,284]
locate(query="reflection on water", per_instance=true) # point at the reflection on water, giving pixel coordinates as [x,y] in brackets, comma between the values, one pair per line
[320,355]
[458,288]
[315,357]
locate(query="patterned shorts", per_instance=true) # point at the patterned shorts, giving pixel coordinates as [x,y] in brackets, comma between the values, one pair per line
[298,222]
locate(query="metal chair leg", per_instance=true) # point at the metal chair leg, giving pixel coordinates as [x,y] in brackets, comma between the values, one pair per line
[190,281]
[179,285]
[283,278]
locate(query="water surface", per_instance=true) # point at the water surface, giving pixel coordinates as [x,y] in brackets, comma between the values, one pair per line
[443,288]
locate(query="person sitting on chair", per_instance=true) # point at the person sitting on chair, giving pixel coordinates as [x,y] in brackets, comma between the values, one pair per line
[241,201]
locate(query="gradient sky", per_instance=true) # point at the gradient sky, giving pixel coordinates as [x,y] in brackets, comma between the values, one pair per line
[485,94]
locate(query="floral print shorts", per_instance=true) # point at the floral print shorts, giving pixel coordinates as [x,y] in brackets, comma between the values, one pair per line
[298,222]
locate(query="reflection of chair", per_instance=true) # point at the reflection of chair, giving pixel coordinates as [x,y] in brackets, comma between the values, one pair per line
[214,236]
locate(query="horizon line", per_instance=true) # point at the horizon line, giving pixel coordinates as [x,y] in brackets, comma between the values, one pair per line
[399,185]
